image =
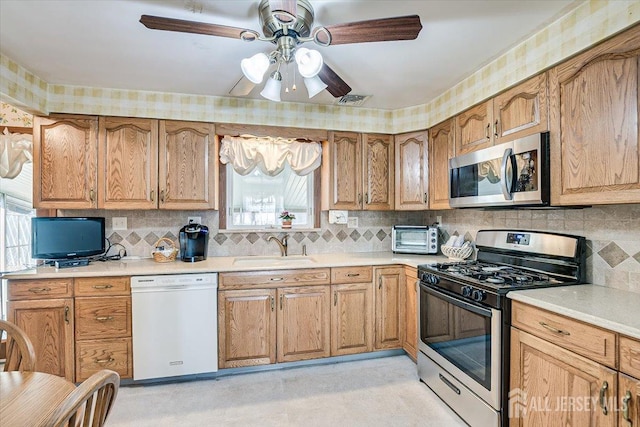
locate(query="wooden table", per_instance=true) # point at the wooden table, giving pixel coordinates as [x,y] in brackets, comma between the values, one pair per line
[29,398]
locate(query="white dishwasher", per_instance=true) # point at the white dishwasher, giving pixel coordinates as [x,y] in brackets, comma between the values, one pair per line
[175,325]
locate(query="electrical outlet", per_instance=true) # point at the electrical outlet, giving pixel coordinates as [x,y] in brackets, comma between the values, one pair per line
[338,217]
[119,222]
[439,219]
[194,219]
[352,222]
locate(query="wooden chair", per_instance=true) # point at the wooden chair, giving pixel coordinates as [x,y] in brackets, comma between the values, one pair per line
[90,403]
[19,352]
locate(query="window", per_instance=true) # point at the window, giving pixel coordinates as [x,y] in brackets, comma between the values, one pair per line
[256,200]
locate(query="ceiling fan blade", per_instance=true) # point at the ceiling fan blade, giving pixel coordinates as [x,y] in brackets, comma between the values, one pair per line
[182,26]
[374,30]
[335,85]
[284,11]
[242,87]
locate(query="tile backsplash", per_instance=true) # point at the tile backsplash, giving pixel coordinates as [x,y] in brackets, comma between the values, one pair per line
[612,232]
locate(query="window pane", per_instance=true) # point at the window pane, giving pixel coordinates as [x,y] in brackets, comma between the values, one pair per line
[256,200]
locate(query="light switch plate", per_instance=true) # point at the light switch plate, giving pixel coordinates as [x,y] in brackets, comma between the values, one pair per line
[119,222]
[352,222]
[338,217]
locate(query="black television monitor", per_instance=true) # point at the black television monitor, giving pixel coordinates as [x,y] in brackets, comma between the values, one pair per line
[66,237]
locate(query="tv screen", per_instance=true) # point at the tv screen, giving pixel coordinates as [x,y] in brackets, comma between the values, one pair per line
[61,238]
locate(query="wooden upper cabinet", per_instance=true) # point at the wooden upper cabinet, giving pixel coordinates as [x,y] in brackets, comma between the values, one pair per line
[594,120]
[128,168]
[345,170]
[522,110]
[65,157]
[411,171]
[188,165]
[473,128]
[441,149]
[378,168]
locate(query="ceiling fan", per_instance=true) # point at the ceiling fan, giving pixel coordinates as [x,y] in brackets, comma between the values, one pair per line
[288,24]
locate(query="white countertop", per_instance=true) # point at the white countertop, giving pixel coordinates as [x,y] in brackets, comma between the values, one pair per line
[225,264]
[609,308]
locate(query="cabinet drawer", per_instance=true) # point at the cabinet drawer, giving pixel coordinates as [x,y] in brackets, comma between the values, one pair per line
[587,340]
[98,286]
[39,289]
[106,317]
[93,356]
[351,275]
[274,278]
[630,356]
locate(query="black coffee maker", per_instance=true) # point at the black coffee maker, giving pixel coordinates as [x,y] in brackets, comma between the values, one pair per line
[194,240]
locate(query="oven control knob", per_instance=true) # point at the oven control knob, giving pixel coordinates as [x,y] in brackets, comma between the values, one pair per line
[430,278]
[478,295]
[466,291]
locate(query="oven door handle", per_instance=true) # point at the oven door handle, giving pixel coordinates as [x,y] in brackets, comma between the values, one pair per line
[455,301]
[506,191]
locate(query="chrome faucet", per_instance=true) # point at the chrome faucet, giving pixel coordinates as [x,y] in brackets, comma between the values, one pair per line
[282,243]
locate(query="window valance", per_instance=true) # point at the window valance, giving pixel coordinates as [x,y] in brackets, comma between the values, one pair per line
[15,150]
[269,154]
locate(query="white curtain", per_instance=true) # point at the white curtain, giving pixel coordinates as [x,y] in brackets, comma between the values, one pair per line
[269,155]
[15,150]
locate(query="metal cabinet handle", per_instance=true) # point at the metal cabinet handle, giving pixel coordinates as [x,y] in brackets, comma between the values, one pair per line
[39,290]
[272,304]
[625,408]
[359,197]
[277,279]
[102,286]
[380,282]
[153,195]
[66,314]
[353,274]
[603,400]
[425,198]
[92,195]
[102,361]
[552,329]
[335,298]
[487,131]
[281,298]
[495,129]
[162,196]
[104,318]
[366,198]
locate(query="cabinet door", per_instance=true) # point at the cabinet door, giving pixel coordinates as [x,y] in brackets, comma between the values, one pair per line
[378,172]
[594,118]
[410,298]
[246,328]
[128,166]
[473,128]
[188,165]
[352,318]
[556,387]
[49,326]
[65,158]
[388,282]
[628,401]
[345,170]
[303,323]
[441,149]
[522,110]
[411,171]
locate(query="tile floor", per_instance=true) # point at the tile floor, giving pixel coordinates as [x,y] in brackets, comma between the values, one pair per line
[375,392]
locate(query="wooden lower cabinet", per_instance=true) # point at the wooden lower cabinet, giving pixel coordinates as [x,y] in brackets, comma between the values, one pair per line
[410,320]
[303,323]
[388,282]
[351,318]
[557,387]
[49,324]
[94,355]
[628,401]
[246,327]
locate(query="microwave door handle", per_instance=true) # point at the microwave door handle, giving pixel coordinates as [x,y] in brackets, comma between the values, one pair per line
[506,191]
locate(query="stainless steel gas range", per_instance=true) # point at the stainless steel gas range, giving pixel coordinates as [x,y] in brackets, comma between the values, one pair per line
[464,315]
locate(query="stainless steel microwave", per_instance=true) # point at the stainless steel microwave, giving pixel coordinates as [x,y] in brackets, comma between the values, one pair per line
[414,239]
[515,173]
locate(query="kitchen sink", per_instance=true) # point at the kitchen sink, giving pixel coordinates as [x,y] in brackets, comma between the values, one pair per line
[267,261]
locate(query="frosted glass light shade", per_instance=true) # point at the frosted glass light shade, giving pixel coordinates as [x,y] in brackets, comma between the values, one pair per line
[309,62]
[254,68]
[273,87]
[314,86]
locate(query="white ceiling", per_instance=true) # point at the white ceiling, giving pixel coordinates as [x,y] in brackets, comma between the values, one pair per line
[100,43]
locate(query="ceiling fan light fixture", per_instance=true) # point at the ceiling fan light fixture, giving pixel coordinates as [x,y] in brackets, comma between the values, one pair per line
[314,85]
[309,62]
[254,67]
[273,87]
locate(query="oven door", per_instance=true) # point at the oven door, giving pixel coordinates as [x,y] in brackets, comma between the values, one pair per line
[464,339]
